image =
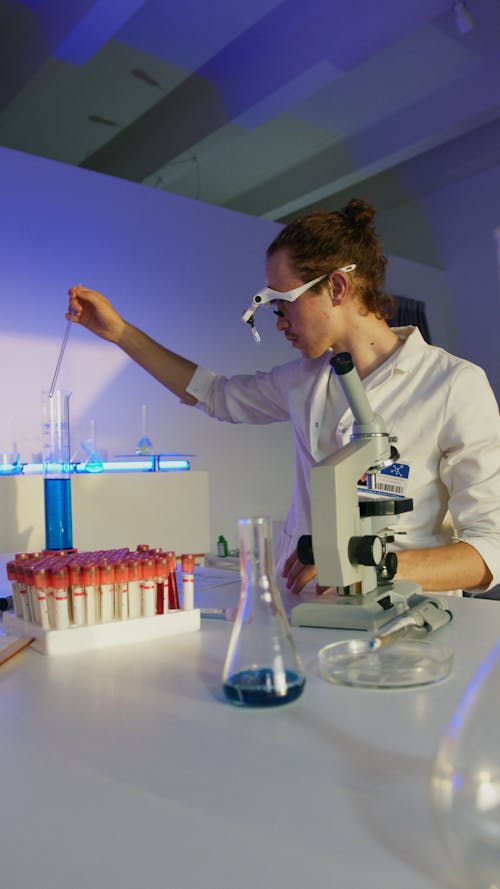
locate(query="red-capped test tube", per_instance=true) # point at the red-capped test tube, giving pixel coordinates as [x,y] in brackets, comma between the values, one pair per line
[161,563]
[77,593]
[107,587]
[173,595]
[148,587]
[134,587]
[16,596]
[90,577]
[187,568]
[59,582]
[31,596]
[121,591]
[41,583]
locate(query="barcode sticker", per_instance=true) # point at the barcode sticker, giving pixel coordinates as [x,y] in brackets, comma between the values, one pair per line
[390,482]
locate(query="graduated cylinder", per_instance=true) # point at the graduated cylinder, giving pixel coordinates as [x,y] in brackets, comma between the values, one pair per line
[56,464]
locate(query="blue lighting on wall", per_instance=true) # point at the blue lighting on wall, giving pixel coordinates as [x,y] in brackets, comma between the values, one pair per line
[155,463]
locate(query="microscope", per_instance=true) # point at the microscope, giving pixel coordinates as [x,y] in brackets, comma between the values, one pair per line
[350,526]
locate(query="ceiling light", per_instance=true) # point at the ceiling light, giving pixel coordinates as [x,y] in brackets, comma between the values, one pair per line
[464,20]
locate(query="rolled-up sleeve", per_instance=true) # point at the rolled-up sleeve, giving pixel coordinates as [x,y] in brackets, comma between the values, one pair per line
[469,440]
[245,398]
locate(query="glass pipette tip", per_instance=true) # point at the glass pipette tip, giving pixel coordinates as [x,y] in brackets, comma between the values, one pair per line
[60,358]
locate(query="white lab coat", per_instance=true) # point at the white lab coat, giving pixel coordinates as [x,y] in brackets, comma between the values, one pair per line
[440,407]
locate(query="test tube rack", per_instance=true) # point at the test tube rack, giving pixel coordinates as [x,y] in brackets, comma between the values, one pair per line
[98,636]
[71,602]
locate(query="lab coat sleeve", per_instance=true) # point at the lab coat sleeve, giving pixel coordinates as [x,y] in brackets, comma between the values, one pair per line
[469,440]
[246,398]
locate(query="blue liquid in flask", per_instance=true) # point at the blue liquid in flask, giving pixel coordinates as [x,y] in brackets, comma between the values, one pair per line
[58,523]
[257,688]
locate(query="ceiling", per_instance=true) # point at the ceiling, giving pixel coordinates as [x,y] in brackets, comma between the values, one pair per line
[267,107]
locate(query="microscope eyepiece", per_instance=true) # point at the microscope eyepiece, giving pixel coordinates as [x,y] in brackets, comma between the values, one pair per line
[342,363]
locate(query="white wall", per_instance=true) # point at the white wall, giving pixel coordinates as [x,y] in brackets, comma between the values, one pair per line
[417,281]
[183,271]
[461,220]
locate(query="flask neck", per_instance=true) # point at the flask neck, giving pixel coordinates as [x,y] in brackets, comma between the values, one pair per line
[257,558]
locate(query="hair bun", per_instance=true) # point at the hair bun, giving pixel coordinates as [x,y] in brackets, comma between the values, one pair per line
[359,213]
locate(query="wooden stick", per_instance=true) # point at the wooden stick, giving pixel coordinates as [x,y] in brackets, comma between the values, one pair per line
[12,648]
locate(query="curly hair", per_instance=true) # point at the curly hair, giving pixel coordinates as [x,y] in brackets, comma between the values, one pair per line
[321,242]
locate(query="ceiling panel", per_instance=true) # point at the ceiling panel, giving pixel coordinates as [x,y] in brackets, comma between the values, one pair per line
[266,108]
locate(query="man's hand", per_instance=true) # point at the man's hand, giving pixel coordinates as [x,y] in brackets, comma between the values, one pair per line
[297,574]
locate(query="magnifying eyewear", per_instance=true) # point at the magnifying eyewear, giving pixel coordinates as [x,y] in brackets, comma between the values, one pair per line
[267,295]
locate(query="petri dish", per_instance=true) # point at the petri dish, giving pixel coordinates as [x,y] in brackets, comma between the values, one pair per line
[401,664]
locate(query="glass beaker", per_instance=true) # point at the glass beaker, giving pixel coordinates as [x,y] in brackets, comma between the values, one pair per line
[57,470]
[262,667]
[465,780]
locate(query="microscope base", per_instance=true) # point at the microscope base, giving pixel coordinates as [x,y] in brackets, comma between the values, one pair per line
[368,612]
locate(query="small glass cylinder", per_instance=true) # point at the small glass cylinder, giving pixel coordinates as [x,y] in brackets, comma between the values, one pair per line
[262,667]
[57,470]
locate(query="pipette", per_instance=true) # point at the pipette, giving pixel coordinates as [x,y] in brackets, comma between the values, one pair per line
[59,360]
[428,615]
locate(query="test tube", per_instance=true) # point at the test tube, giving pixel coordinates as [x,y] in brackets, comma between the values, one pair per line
[77,593]
[161,563]
[173,595]
[107,588]
[121,591]
[134,587]
[12,577]
[148,587]
[187,567]
[90,577]
[31,592]
[24,593]
[59,583]
[41,584]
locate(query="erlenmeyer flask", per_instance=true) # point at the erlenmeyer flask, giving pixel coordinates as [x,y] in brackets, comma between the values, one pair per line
[262,667]
[465,781]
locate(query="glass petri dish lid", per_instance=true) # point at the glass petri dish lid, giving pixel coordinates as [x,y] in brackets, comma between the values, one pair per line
[399,664]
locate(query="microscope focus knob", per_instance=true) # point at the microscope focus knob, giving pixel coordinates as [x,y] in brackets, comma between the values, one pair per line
[367,550]
[305,550]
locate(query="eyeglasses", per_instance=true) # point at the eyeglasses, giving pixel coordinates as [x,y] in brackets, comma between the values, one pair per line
[267,295]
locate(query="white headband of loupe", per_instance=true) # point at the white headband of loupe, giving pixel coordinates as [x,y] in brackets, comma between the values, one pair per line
[268,295]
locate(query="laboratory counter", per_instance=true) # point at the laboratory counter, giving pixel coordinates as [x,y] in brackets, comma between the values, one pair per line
[126,767]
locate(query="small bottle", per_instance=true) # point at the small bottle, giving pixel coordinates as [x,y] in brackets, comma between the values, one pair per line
[262,667]
[222,546]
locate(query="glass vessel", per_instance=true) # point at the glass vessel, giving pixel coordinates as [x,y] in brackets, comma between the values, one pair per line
[465,780]
[262,667]
[144,445]
[56,467]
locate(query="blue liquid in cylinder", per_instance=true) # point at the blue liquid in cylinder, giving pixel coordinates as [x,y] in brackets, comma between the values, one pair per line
[58,524]
[256,688]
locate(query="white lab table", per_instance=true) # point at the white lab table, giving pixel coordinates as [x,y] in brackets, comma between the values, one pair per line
[126,768]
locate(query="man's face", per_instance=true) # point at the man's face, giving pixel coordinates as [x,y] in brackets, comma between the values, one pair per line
[306,322]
